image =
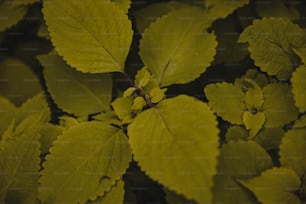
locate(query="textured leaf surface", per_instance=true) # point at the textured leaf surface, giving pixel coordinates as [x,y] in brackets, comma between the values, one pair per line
[299,88]
[19,164]
[293,150]
[254,97]
[253,122]
[181,131]
[270,41]
[98,155]
[176,49]
[238,160]
[48,134]
[115,195]
[227,101]
[7,112]
[17,87]
[75,92]
[97,34]
[277,185]
[278,105]
[173,198]
[150,13]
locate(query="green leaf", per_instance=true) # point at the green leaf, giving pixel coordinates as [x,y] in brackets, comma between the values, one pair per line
[108,118]
[48,134]
[19,164]
[301,53]
[123,108]
[124,5]
[97,34]
[10,13]
[129,92]
[220,9]
[98,156]
[93,93]
[301,122]
[254,97]
[259,78]
[253,122]
[238,160]
[115,195]
[142,77]
[17,87]
[173,198]
[7,112]
[299,88]
[180,131]
[144,17]
[138,103]
[68,122]
[171,48]
[157,94]
[277,185]
[278,106]
[293,150]
[270,41]
[268,138]
[227,101]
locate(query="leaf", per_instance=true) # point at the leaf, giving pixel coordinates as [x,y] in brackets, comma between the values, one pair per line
[254,97]
[97,35]
[301,122]
[10,13]
[138,103]
[19,165]
[75,92]
[227,101]
[17,87]
[259,78]
[7,112]
[181,131]
[277,185]
[253,122]
[171,48]
[301,53]
[220,9]
[108,118]
[98,155]
[115,195]
[278,105]
[128,92]
[270,41]
[238,160]
[48,134]
[142,77]
[68,122]
[293,150]
[157,94]
[173,198]
[299,88]
[123,108]
[144,17]
[124,5]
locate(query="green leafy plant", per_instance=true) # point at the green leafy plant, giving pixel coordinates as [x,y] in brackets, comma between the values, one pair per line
[189,96]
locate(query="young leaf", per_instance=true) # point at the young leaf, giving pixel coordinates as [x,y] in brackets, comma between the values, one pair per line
[19,164]
[299,88]
[176,48]
[7,112]
[96,37]
[17,87]
[278,106]
[277,185]
[270,42]
[180,131]
[115,195]
[253,122]
[138,103]
[238,160]
[142,77]
[227,101]
[149,14]
[123,108]
[75,92]
[293,150]
[220,9]
[254,97]
[84,163]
